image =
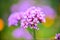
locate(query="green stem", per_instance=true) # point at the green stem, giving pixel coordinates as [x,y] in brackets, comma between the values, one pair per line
[34,34]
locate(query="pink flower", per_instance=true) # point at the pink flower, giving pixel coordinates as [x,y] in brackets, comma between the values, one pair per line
[22,5]
[22,33]
[31,17]
[14,17]
[49,11]
[57,36]
[34,16]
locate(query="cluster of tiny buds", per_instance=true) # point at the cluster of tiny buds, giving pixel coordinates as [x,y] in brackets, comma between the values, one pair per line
[31,17]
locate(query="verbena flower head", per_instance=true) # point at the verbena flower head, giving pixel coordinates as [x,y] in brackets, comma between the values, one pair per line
[31,17]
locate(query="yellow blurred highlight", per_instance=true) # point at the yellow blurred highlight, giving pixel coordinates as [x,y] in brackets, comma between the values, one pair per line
[1,24]
[49,22]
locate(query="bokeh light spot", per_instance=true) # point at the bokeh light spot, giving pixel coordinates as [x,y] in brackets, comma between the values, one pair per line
[49,22]
[1,24]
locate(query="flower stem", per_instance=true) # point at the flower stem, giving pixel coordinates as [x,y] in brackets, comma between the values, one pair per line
[34,34]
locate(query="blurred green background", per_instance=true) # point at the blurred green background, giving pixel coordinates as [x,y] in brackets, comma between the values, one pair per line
[45,33]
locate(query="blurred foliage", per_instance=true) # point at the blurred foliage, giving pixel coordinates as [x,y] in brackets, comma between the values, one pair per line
[55,4]
[5,6]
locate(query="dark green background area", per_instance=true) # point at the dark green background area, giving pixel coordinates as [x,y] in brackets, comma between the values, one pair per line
[5,34]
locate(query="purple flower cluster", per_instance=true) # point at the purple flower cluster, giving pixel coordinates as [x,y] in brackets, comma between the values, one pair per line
[31,17]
